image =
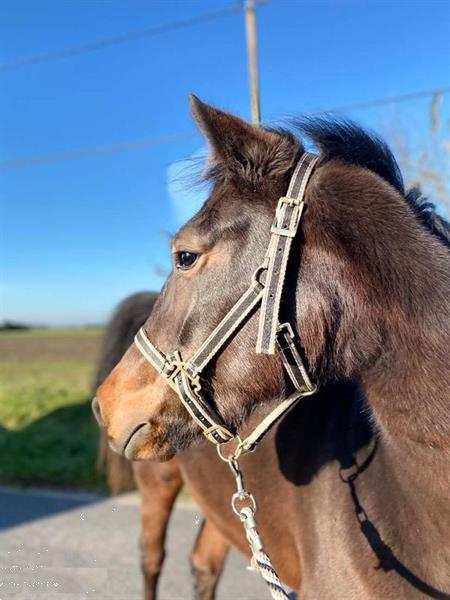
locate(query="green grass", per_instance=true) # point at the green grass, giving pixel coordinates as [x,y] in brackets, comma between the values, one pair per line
[47,433]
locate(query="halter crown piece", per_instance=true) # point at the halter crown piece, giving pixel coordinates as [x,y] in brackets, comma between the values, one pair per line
[184,376]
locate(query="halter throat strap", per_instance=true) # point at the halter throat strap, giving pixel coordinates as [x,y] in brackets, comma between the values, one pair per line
[185,376]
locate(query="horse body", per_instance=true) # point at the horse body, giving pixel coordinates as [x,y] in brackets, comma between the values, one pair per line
[353,485]
[378,540]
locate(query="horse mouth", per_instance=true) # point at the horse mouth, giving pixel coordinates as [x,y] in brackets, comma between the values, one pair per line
[135,440]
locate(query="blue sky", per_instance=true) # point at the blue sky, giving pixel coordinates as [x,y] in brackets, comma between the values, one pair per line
[78,235]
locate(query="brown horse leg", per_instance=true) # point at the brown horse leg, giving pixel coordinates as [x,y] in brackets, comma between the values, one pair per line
[159,484]
[207,560]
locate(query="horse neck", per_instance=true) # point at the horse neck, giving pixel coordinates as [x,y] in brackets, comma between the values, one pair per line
[393,331]
[408,386]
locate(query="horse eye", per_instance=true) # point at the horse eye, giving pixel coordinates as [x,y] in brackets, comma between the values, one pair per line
[186,260]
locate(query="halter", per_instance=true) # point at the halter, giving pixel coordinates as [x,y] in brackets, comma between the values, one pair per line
[185,376]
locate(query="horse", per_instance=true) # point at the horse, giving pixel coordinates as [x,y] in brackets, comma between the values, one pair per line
[158,483]
[352,484]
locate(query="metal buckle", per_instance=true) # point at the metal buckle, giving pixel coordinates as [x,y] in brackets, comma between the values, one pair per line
[286,200]
[195,381]
[180,366]
[259,271]
[288,327]
[295,218]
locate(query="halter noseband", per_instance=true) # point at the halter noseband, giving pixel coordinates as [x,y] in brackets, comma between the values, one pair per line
[184,376]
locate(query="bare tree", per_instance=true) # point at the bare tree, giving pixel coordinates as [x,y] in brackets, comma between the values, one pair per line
[426,161]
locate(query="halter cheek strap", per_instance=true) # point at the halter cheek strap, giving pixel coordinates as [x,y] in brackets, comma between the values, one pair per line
[283,231]
[185,376]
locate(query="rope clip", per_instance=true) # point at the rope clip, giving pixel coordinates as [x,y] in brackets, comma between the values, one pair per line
[241,494]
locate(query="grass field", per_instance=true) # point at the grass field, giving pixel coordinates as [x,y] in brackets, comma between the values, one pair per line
[46,332]
[47,433]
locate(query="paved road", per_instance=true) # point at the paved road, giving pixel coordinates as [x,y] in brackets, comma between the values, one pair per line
[72,547]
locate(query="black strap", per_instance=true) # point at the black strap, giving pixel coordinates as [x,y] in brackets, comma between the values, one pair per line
[225,329]
[212,425]
[292,360]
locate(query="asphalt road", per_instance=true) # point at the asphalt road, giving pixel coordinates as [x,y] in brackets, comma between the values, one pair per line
[71,547]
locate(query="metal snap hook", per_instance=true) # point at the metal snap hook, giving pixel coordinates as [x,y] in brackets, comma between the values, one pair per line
[233,455]
[242,496]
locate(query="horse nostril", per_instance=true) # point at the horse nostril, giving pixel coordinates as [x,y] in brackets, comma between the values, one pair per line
[97,411]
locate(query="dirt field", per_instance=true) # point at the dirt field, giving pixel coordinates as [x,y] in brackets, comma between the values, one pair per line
[50,345]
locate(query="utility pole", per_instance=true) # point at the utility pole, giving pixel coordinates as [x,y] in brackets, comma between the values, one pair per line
[253,77]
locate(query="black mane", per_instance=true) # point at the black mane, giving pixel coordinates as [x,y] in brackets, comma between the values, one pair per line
[347,141]
[425,212]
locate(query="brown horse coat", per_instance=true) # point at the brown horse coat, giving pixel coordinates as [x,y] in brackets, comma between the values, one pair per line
[353,486]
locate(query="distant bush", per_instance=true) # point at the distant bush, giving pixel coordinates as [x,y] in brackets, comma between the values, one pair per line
[11,325]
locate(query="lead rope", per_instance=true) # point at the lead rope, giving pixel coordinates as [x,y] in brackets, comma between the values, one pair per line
[260,560]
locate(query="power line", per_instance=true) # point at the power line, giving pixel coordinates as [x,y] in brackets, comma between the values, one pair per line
[54,156]
[120,39]
[387,100]
[128,145]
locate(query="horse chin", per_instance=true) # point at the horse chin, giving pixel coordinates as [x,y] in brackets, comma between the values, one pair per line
[144,446]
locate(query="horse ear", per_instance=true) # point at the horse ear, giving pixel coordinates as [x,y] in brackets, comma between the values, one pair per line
[231,139]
